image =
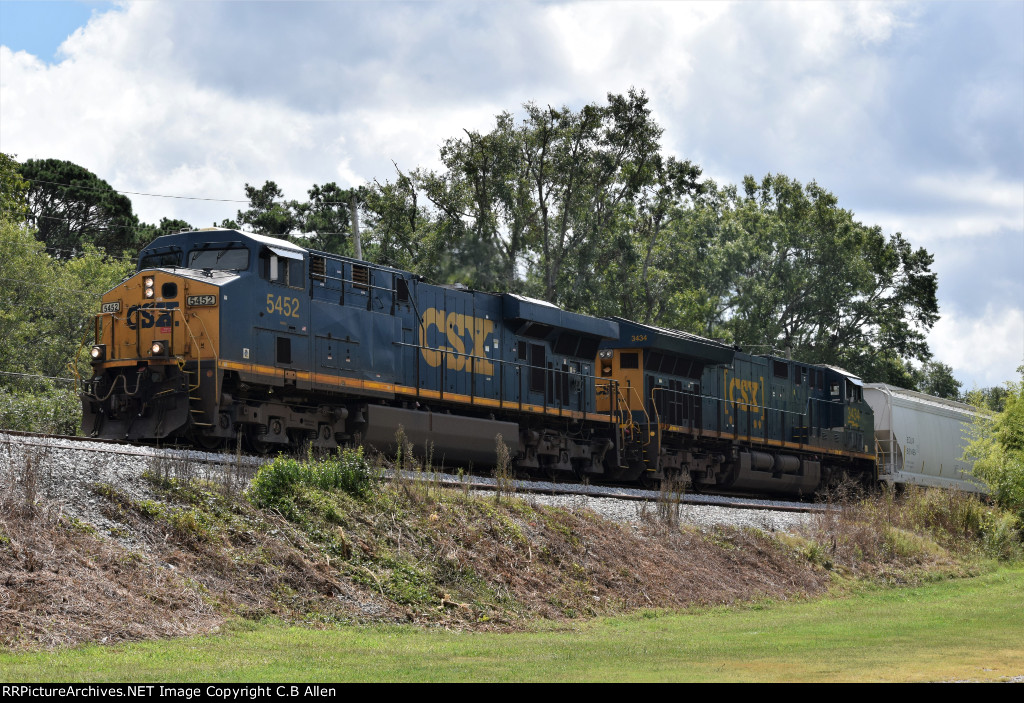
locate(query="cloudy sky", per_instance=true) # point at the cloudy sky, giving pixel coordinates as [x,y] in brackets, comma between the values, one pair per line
[911,113]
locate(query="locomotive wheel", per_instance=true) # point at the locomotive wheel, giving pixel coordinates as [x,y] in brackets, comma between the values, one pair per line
[256,446]
[209,443]
[649,482]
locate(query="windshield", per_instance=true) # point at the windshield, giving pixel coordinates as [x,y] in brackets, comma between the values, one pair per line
[219,259]
[164,260]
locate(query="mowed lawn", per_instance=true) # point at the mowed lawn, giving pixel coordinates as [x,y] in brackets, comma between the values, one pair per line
[961,629]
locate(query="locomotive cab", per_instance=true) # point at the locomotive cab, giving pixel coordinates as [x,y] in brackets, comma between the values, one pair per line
[649,380]
[158,337]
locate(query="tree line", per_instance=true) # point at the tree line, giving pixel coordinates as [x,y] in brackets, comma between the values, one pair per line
[582,208]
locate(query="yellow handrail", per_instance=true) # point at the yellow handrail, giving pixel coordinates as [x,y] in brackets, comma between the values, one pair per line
[657,415]
[199,359]
[643,409]
[627,413]
[216,356]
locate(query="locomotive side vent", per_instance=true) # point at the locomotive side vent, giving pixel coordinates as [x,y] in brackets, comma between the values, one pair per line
[361,277]
[318,268]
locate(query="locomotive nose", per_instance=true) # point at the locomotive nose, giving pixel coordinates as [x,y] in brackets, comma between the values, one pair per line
[155,317]
[155,340]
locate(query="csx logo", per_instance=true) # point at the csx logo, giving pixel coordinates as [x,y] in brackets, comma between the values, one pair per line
[150,315]
[457,329]
[744,394]
[853,418]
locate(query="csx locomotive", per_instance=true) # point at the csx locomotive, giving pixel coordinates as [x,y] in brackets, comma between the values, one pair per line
[222,335]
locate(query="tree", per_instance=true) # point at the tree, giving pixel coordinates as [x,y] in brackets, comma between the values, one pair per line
[554,197]
[13,190]
[48,304]
[70,207]
[326,219]
[997,449]
[405,234]
[483,207]
[148,232]
[45,328]
[992,398]
[265,214]
[611,156]
[646,258]
[792,270]
[936,378]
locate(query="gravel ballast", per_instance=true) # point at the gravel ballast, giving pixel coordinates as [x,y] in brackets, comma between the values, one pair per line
[65,472]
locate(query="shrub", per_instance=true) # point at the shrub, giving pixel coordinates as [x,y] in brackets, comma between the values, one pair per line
[1001,536]
[997,449]
[275,484]
[54,410]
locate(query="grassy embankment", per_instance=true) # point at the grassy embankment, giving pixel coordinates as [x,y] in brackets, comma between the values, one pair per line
[950,630]
[322,544]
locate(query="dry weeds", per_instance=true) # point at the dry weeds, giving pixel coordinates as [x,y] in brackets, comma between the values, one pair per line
[411,552]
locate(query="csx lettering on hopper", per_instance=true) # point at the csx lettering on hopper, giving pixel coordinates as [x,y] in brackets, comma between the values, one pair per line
[222,334]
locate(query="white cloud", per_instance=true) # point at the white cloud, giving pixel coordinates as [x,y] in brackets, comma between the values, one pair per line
[983,351]
[127,102]
[927,229]
[910,114]
[984,190]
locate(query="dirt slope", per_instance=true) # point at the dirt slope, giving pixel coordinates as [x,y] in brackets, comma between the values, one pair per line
[192,555]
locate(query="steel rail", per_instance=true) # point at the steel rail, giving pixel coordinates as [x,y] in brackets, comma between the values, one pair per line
[469,482]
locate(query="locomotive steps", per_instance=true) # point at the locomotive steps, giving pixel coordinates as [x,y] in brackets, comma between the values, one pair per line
[103,546]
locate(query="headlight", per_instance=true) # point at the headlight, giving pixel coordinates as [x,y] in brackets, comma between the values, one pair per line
[159,348]
[148,280]
[99,352]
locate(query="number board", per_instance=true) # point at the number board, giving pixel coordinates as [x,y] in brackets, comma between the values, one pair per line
[289,307]
[111,307]
[196,300]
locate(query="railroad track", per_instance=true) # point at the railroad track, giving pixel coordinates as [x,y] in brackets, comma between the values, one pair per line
[466,482]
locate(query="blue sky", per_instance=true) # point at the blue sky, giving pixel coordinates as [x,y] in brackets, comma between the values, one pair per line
[41,27]
[911,113]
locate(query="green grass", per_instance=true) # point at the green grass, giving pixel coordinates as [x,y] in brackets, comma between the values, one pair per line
[954,629]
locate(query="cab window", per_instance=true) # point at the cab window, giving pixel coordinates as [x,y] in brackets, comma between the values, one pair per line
[285,271]
[219,259]
[167,259]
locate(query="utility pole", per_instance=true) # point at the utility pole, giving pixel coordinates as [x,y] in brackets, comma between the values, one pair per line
[354,212]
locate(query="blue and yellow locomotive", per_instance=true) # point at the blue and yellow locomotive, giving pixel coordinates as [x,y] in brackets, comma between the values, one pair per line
[728,421]
[222,335]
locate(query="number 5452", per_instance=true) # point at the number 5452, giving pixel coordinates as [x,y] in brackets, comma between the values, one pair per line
[289,307]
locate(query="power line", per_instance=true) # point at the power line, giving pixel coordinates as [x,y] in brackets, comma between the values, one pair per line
[67,219]
[50,287]
[45,249]
[139,230]
[160,195]
[132,192]
[36,375]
